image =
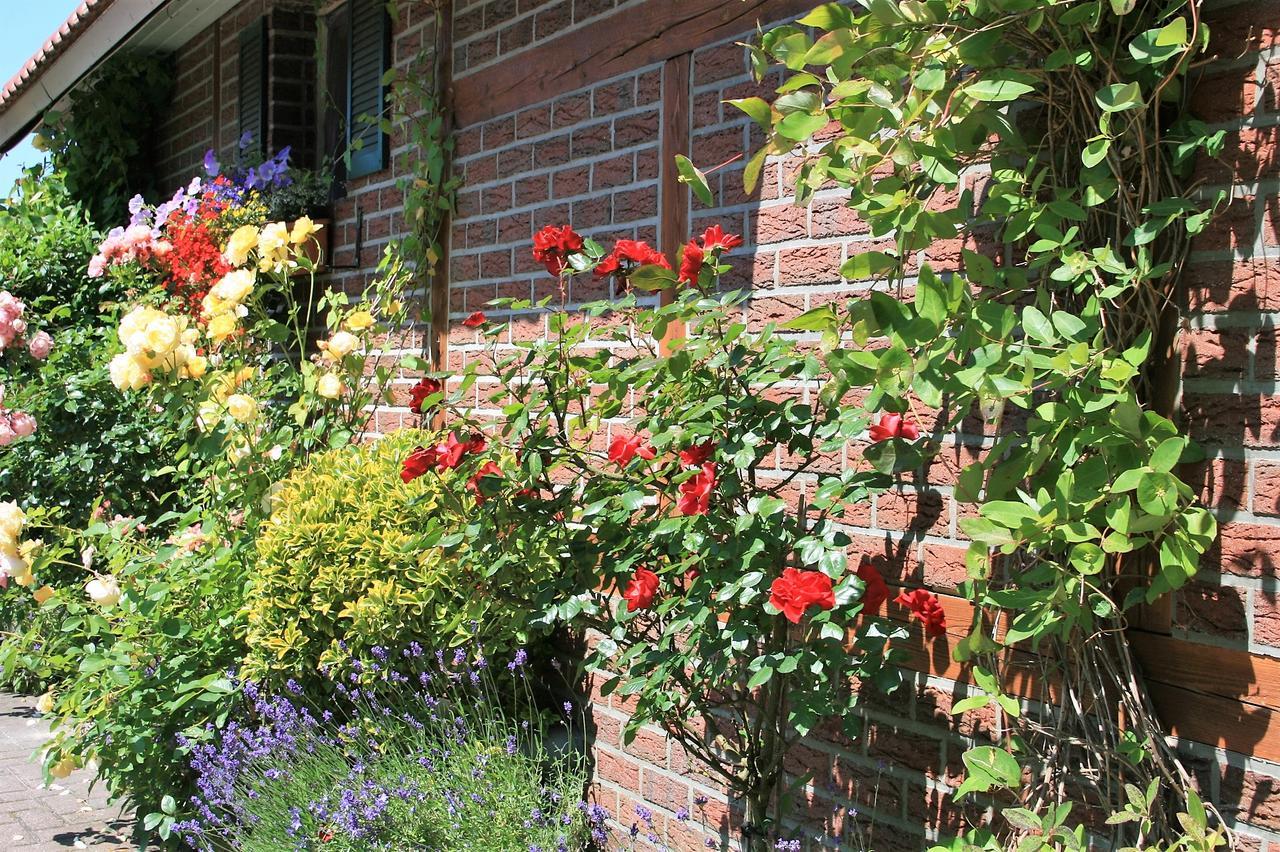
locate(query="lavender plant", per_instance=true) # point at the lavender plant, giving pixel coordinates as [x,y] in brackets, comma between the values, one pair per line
[414,751]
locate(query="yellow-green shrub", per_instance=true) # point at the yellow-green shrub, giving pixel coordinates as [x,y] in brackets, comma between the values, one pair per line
[342,566]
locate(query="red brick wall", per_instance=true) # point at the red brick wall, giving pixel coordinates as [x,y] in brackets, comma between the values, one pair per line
[590,158]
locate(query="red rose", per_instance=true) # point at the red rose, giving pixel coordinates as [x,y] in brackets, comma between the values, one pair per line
[691,575]
[641,590]
[698,454]
[623,449]
[695,493]
[476,320]
[478,443]
[691,263]
[874,590]
[894,426]
[927,608]
[419,393]
[796,590]
[488,469]
[449,453]
[419,462]
[627,255]
[715,238]
[553,245]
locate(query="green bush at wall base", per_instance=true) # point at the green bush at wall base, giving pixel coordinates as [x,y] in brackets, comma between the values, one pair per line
[344,566]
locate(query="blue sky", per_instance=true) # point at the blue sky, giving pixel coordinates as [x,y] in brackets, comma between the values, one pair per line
[26,26]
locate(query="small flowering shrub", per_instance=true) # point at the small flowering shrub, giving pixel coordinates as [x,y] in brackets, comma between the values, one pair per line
[344,565]
[141,629]
[426,760]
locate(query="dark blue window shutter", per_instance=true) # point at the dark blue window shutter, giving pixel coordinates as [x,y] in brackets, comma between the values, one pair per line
[253,81]
[366,95]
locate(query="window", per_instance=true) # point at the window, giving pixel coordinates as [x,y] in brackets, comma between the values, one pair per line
[253,81]
[357,53]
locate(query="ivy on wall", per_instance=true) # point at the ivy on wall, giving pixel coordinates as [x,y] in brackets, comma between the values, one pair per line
[102,142]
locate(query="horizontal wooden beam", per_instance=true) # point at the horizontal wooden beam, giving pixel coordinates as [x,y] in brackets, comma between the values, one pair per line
[624,41]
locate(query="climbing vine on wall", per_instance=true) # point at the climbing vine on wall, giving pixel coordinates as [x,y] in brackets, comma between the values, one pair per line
[101,143]
[1051,140]
[420,115]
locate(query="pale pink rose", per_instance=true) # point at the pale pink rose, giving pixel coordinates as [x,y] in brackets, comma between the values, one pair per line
[40,345]
[23,424]
[7,435]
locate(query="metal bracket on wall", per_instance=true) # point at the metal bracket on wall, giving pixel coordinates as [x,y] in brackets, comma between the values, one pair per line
[359,242]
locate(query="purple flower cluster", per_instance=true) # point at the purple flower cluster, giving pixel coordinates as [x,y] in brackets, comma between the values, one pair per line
[387,746]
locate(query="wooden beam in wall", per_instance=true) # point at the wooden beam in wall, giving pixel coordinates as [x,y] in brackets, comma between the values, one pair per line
[630,38]
[438,337]
[673,196]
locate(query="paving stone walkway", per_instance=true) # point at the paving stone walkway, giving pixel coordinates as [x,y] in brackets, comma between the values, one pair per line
[64,815]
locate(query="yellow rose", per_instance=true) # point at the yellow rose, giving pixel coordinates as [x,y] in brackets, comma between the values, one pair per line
[273,246]
[17,568]
[162,335]
[104,591]
[242,408]
[42,594]
[221,327]
[12,519]
[329,386]
[234,287]
[45,703]
[242,241]
[342,344]
[63,768]
[127,373]
[303,228]
[359,321]
[196,366]
[226,383]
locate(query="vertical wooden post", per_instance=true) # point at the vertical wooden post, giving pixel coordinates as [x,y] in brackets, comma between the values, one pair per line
[673,196]
[438,342]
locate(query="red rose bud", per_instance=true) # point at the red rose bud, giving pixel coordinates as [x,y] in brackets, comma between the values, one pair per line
[894,426]
[418,395]
[795,591]
[553,245]
[715,238]
[641,590]
[698,454]
[874,592]
[623,449]
[926,607]
[476,320]
[478,485]
[695,493]
[691,263]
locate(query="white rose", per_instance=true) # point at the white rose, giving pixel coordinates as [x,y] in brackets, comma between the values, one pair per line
[104,591]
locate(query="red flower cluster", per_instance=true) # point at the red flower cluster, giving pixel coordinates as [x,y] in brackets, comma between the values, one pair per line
[441,457]
[553,245]
[487,470]
[425,387]
[623,449]
[894,426]
[695,493]
[194,263]
[927,608]
[698,454]
[714,239]
[641,590]
[795,591]
[874,591]
[629,254]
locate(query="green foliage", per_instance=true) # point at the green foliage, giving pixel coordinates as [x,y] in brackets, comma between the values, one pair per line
[91,442]
[130,678]
[46,240]
[344,564]
[102,142]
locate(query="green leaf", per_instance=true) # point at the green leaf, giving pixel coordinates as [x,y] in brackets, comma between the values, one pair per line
[866,265]
[1119,97]
[1095,152]
[815,319]
[1037,325]
[828,16]
[998,87]
[652,277]
[799,126]
[756,108]
[760,678]
[1168,453]
[696,180]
